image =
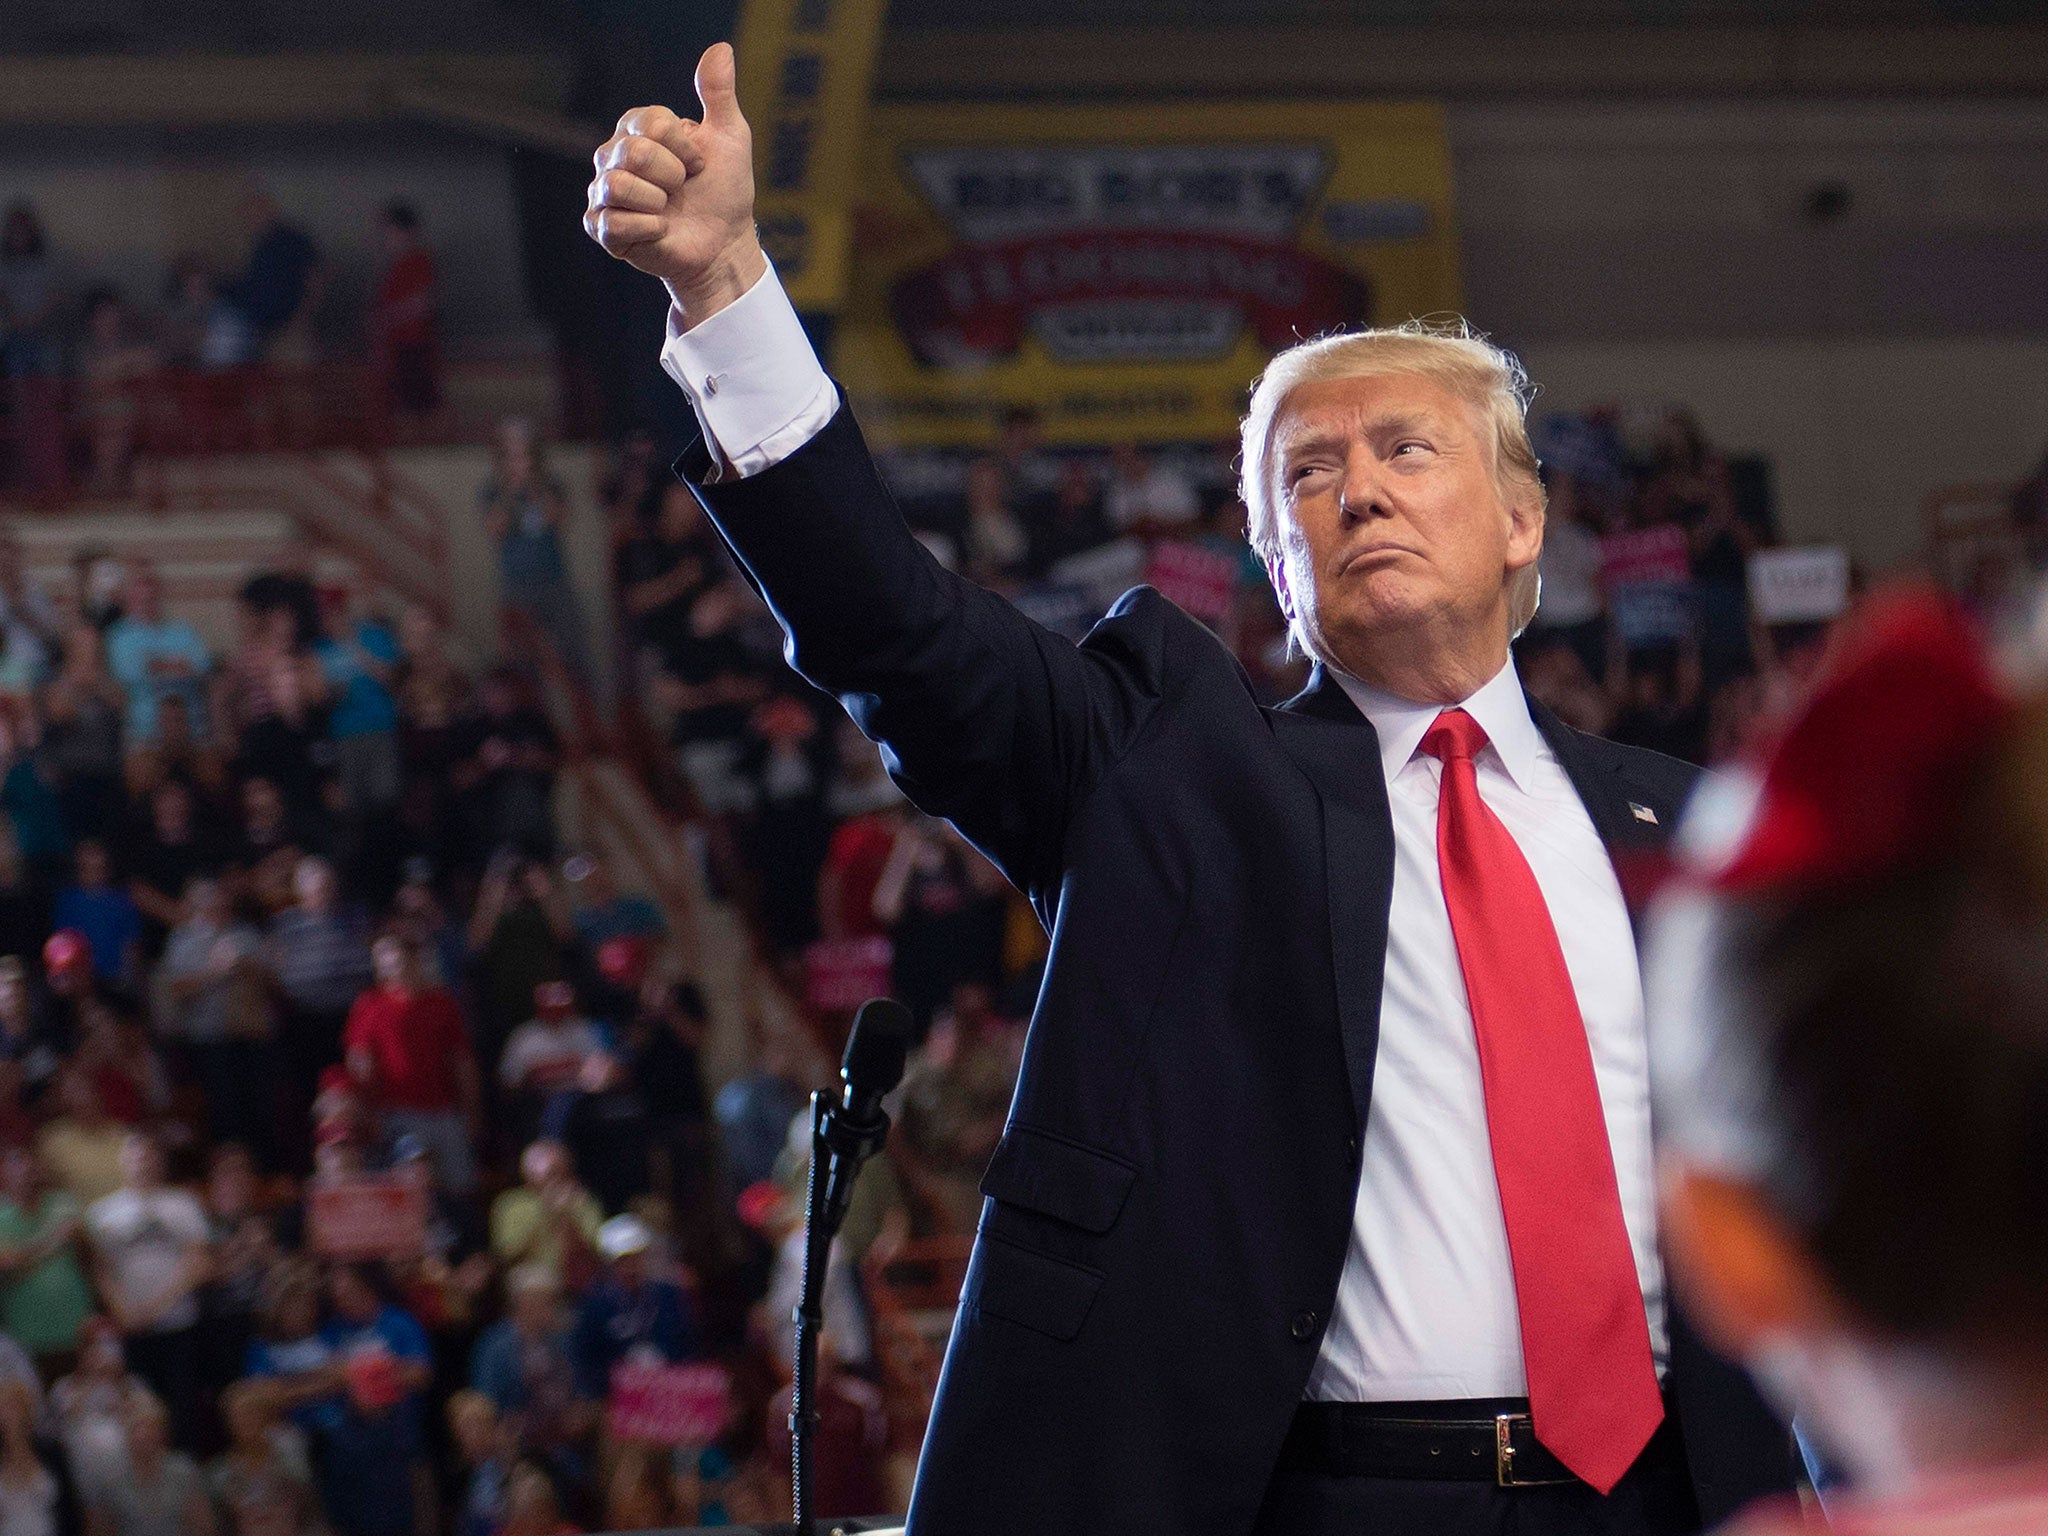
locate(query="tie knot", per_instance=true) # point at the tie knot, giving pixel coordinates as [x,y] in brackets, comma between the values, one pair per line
[1454,735]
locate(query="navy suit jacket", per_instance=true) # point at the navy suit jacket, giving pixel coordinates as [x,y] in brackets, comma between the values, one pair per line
[1170,1206]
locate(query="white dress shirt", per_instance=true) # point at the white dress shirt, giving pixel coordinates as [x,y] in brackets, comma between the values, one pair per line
[1426,1303]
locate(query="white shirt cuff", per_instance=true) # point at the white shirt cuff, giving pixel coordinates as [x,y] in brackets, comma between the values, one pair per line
[752,378]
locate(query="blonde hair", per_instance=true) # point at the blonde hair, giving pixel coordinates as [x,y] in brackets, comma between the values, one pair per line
[1449,354]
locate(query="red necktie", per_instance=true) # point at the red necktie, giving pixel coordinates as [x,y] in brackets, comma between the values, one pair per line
[1593,1396]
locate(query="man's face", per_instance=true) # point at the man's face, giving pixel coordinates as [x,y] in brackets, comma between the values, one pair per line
[535,1310]
[392,963]
[314,882]
[1392,522]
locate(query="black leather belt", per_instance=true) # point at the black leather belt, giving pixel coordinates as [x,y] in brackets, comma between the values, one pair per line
[1484,1440]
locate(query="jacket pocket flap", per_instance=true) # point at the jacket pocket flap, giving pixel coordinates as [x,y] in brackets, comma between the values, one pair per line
[1031,1289]
[1058,1178]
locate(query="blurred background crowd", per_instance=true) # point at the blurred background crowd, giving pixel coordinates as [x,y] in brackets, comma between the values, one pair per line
[428,897]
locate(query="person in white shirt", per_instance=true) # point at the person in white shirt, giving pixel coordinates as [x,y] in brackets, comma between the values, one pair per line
[150,1257]
[1324,1203]
[1145,492]
[556,1049]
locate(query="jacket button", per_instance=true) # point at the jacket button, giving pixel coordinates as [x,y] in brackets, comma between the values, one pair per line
[1351,1145]
[1304,1325]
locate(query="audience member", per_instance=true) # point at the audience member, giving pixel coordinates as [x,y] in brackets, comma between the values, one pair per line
[275,293]
[629,1313]
[358,659]
[1147,494]
[523,509]
[548,1218]
[408,1050]
[28,1490]
[404,316]
[524,1366]
[44,1297]
[262,1484]
[150,1249]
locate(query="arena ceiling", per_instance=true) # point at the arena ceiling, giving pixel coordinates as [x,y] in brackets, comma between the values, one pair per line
[243,26]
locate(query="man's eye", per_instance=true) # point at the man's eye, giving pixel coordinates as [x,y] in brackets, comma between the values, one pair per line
[1413,442]
[1301,472]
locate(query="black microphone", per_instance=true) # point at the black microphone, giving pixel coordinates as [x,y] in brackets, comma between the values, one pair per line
[853,1129]
[844,1134]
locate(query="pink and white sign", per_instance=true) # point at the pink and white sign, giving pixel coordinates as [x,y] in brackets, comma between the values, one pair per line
[669,1404]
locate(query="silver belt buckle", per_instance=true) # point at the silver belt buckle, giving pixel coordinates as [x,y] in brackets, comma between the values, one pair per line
[1504,1454]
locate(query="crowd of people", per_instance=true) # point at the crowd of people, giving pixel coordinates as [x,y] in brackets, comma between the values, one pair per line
[353,1133]
[91,372]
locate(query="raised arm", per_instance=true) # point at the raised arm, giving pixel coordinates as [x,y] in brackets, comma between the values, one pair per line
[989,720]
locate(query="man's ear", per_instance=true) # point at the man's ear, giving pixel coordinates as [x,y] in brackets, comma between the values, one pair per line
[1525,527]
[1745,1275]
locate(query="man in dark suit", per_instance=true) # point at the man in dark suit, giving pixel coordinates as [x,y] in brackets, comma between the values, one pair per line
[1326,1199]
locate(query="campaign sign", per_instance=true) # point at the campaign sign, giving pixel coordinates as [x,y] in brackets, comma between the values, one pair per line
[1799,586]
[841,974]
[1645,555]
[1202,581]
[1651,613]
[669,1404]
[367,1216]
[1647,574]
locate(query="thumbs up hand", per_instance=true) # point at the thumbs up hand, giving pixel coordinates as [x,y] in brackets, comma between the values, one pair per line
[675,198]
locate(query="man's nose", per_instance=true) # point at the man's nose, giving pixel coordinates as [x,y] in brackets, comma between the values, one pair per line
[1364,493]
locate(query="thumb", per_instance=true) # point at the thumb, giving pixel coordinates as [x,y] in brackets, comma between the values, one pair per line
[717,87]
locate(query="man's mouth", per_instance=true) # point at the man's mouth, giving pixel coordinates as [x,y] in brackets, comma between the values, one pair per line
[1371,552]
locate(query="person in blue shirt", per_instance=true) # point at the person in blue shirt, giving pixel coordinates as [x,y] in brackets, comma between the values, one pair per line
[282,269]
[522,1363]
[101,910]
[363,1321]
[628,1313]
[154,657]
[358,657]
[369,1457]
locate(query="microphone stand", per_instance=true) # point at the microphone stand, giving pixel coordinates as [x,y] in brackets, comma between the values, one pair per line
[839,1145]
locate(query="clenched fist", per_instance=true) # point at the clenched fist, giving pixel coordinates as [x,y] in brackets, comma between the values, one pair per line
[675,198]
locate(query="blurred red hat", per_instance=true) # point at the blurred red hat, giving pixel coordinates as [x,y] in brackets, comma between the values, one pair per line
[554,1000]
[66,951]
[622,961]
[1870,774]
[336,1080]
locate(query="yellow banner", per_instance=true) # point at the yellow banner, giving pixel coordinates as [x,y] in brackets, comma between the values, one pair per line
[1126,271]
[806,68]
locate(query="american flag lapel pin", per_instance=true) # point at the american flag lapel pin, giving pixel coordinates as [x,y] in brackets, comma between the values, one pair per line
[1643,813]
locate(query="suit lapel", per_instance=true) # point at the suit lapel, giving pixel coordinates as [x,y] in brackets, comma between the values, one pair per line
[1634,815]
[1338,750]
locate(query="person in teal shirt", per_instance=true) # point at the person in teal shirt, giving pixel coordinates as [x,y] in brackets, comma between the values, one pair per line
[44,1298]
[153,657]
[358,658]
